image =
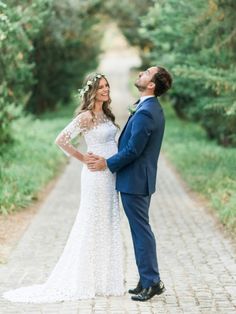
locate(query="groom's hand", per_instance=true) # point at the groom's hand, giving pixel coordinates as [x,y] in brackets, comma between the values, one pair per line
[89,157]
[97,163]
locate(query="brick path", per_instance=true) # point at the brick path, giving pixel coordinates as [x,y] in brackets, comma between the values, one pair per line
[197,262]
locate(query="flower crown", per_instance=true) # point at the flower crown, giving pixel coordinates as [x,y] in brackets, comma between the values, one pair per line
[89,83]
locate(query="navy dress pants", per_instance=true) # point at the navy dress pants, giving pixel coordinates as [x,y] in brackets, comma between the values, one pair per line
[136,208]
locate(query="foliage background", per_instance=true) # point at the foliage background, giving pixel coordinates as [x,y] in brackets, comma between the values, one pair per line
[200,52]
[48,46]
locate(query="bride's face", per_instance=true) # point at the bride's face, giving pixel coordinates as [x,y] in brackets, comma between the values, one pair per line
[103,91]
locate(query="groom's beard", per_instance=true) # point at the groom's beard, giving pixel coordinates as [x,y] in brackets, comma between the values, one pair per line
[141,88]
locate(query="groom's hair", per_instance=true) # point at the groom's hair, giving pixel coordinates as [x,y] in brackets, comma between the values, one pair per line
[162,80]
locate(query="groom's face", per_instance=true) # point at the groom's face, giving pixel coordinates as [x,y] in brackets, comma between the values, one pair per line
[144,79]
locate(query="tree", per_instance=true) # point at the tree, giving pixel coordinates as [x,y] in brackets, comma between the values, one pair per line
[200,51]
[65,50]
[46,48]
[19,25]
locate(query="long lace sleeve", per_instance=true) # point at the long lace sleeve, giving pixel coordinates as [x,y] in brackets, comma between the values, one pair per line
[77,126]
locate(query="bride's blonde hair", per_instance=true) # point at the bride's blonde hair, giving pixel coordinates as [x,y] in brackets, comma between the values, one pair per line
[88,94]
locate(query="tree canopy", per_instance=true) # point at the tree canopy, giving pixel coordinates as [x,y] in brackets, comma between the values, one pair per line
[47,46]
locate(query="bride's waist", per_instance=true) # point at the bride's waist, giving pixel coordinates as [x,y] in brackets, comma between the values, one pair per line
[104,149]
[103,144]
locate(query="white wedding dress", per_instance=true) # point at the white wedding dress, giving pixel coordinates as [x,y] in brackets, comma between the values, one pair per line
[91,263]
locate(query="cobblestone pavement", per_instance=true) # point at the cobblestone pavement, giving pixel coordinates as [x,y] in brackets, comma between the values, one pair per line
[197,263]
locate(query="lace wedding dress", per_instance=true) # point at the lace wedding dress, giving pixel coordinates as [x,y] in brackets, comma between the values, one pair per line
[91,263]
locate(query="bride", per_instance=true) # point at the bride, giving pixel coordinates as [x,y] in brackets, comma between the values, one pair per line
[91,262]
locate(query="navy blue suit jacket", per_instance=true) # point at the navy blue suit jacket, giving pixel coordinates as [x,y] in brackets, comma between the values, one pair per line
[139,146]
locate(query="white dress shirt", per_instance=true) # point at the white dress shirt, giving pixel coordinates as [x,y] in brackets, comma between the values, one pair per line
[142,100]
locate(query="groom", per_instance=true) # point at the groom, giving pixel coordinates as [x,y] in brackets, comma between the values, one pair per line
[135,165]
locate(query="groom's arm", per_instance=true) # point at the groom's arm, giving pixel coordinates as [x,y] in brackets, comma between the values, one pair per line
[142,127]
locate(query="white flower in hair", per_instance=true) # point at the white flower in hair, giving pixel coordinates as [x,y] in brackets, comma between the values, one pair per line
[89,83]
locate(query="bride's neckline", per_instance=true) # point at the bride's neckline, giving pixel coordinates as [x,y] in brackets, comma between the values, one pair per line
[98,113]
[99,117]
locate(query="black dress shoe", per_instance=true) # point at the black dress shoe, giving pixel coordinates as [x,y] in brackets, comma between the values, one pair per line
[148,293]
[136,290]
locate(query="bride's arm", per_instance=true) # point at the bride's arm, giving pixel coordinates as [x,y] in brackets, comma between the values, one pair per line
[63,140]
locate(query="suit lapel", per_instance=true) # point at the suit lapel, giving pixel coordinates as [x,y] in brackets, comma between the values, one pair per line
[122,132]
[128,121]
[124,127]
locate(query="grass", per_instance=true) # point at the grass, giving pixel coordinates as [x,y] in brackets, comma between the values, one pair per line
[33,159]
[208,168]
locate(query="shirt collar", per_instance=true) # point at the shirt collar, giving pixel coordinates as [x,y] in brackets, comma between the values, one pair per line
[145,97]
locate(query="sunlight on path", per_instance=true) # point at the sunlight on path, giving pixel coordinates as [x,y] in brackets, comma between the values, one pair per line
[116,62]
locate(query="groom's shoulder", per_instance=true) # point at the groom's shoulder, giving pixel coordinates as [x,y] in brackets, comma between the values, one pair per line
[154,109]
[152,104]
